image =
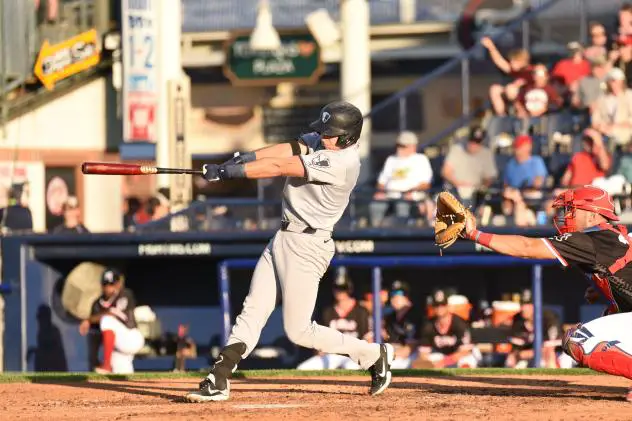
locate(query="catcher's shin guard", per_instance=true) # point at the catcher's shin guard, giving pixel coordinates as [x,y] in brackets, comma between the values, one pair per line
[609,358]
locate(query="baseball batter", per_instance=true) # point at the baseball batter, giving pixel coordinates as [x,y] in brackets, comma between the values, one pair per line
[591,240]
[322,169]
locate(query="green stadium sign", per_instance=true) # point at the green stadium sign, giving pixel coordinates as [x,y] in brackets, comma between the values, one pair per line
[297,61]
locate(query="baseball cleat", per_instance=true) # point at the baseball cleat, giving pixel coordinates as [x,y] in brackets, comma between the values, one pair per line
[103,370]
[209,391]
[381,375]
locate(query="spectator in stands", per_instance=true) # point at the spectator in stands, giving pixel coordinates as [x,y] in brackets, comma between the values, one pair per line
[130,219]
[16,217]
[401,325]
[591,162]
[569,71]
[515,207]
[612,114]
[406,175]
[591,87]
[445,340]
[470,167]
[621,58]
[524,177]
[525,171]
[346,315]
[598,41]
[539,96]
[523,335]
[625,165]
[72,218]
[157,207]
[517,66]
[625,19]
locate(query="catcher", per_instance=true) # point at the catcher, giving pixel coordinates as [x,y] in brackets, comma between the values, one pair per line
[590,240]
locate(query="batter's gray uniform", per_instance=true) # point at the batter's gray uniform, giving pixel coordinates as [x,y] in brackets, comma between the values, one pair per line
[294,261]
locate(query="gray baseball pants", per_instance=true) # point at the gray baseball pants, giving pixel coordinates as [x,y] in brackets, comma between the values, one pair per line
[293,264]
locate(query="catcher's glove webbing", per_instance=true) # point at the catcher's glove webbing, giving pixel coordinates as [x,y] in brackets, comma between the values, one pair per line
[450,220]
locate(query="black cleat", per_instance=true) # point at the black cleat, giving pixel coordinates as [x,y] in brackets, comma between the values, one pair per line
[381,375]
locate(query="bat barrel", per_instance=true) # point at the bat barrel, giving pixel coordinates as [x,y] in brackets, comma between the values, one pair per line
[112,168]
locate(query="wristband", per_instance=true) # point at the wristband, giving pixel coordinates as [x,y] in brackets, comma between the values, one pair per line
[296,147]
[242,158]
[232,171]
[482,238]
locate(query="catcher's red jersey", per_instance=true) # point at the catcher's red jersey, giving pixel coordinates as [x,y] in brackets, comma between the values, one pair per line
[603,253]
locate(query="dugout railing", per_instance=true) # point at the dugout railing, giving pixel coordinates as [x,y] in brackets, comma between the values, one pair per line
[378,263]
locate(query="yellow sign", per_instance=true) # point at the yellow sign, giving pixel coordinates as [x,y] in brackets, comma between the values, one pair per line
[59,61]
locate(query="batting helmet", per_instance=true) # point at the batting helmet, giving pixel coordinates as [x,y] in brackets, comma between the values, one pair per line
[588,198]
[341,119]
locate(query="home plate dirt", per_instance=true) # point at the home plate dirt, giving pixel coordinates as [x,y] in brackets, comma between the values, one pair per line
[470,397]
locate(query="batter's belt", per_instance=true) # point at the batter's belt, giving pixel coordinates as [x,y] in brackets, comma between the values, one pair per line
[303,229]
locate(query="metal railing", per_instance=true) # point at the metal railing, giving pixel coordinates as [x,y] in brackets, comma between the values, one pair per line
[462,60]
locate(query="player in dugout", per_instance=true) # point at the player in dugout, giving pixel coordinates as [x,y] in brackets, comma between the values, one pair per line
[346,315]
[591,239]
[113,314]
[523,335]
[445,340]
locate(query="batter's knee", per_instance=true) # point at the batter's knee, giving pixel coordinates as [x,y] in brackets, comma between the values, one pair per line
[299,333]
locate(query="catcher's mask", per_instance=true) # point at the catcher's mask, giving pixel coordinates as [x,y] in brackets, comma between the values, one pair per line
[588,198]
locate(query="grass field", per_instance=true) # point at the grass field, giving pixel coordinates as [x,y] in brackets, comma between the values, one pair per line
[81,377]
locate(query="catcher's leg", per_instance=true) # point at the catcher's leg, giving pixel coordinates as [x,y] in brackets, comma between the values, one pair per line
[604,344]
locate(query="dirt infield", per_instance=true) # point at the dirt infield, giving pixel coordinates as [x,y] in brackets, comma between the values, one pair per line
[457,397]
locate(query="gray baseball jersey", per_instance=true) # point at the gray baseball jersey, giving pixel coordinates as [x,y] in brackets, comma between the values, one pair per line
[319,199]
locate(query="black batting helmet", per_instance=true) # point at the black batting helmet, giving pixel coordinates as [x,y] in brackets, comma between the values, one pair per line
[341,119]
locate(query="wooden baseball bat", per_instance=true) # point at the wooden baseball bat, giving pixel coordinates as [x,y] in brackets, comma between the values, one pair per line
[115,168]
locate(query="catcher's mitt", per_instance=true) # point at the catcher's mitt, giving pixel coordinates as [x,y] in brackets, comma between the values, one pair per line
[450,220]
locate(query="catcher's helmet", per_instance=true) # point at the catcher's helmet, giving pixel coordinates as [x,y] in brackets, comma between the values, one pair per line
[341,119]
[589,198]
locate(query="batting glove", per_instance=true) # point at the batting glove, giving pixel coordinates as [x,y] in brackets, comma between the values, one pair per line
[211,172]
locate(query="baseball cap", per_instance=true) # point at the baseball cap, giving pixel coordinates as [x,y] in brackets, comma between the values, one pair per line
[439,298]
[111,276]
[407,138]
[522,140]
[400,288]
[477,134]
[599,60]
[343,283]
[574,46]
[615,74]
